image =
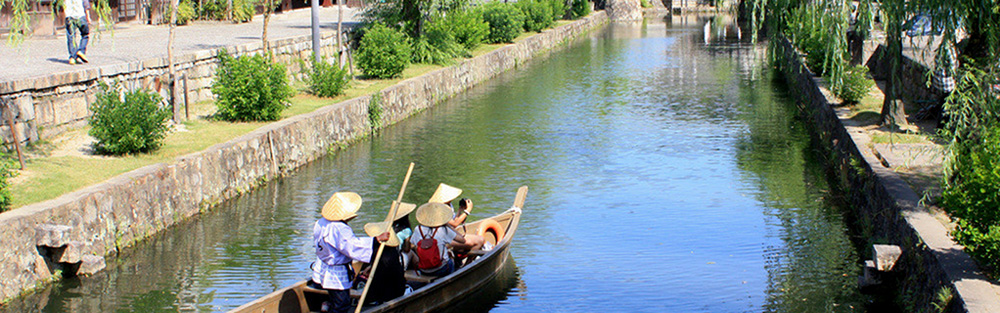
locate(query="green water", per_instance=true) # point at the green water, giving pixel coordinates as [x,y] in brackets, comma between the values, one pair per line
[668,173]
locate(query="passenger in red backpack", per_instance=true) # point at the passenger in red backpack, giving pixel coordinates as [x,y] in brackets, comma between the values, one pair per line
[431,238]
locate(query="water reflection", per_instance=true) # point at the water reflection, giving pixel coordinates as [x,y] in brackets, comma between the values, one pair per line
[666,176]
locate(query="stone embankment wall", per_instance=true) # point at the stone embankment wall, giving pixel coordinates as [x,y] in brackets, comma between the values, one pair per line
[887,211]
[49,105]
[125,209]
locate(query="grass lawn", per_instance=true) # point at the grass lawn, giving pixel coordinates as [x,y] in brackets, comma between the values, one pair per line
[49,177]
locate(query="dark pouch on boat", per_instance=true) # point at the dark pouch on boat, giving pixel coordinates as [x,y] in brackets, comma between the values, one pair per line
[428,255]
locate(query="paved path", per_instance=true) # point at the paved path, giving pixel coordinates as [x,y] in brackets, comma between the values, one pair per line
[38,57]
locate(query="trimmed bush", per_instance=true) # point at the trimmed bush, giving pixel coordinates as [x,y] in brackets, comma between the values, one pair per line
[537,14]
[467,27]
[578,9]
[437,45]
[129,123]
[250,88]
[327,80]
[506,22]
[243,10]
[185,13]
[559,9]
[7,165]
[384,52]
[855,85]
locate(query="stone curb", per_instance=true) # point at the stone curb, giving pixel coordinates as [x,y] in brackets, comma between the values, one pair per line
[914,224]
[132,206]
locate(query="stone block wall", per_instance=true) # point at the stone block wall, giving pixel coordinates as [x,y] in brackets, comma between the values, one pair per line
[47,106]
[886,210]
[132,206]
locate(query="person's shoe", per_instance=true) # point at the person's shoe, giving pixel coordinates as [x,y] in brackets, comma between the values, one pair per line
[82,57]
[72,61]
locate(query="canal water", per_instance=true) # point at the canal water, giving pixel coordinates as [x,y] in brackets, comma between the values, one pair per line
[667,171]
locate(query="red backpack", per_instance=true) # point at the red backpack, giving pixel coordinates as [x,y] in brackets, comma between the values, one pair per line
[428,255]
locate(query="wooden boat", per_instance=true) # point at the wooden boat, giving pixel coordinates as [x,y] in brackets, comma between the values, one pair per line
[436,294]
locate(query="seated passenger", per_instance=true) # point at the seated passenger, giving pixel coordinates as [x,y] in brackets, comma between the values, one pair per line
[389,282]
[446,194]
[336,246]
[431,238]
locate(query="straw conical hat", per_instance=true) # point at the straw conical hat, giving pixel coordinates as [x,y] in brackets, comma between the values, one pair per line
[445,193]
[403,209]
[342,206]
[434,214]
[375,229]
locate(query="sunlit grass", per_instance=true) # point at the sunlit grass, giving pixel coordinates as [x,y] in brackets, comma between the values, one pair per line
[899,138]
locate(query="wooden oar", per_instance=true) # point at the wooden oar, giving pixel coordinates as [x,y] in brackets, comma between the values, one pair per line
[381,245]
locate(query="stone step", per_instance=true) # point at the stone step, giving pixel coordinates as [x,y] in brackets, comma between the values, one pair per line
[886,256]
[70,253]
[91,264]
[52,235]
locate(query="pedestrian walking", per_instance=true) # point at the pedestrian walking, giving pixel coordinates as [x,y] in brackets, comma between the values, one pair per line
[77,24]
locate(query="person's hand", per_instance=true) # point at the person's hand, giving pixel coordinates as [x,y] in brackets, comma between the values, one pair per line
[383,237]
[468,206]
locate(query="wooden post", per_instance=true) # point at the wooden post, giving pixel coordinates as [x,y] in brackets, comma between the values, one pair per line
[187,108]
[13,133]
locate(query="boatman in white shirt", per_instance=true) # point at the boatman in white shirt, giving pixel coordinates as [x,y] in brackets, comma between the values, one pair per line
[336,246]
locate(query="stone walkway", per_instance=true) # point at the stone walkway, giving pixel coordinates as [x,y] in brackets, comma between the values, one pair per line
[39,57]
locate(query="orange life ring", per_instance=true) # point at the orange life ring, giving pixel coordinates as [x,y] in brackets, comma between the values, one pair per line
[490,225]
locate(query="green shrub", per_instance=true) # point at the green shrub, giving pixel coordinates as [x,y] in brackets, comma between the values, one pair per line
[437,45]
[645,4]
[327,80]
[384,52]
[250,88]
[537,14]
[855,85]
[559,9]
[467,27]
[185,12]
[972,196]
[243,10]
[982,243]
[578,9]
[506,22]
[213,9]
[131,123]
[7,165]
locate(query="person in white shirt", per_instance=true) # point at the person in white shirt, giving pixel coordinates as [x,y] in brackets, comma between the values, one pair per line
[77,23]
[336,246]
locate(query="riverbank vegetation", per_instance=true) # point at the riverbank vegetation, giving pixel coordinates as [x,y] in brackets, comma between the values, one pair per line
[966,54]
[53,170]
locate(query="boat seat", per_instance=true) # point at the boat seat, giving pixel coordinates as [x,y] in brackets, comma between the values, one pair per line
[354,292]
[412,275]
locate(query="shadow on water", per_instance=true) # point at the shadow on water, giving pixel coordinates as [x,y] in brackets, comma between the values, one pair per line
[506,284]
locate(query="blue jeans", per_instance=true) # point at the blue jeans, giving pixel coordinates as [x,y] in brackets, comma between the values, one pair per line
[73,27]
